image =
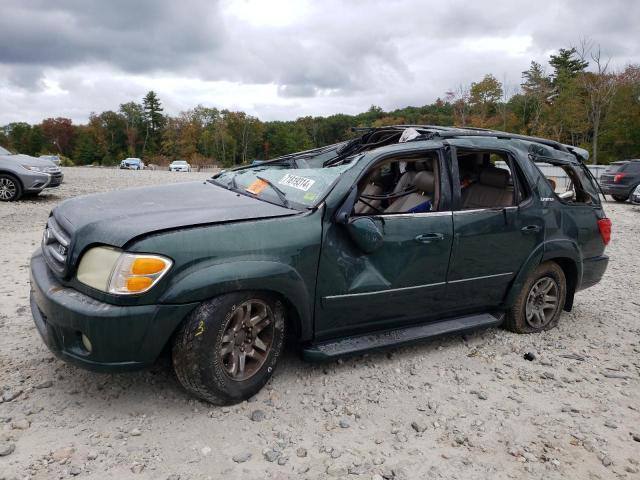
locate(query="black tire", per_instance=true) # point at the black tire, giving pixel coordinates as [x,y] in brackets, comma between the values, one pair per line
[517,318]
[11,188]
[620,198]
[198,354]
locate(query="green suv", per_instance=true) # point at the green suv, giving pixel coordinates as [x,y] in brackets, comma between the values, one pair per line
[401,234]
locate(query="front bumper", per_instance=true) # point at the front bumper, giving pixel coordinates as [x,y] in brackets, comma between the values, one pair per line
[122,337]
[34,181]
[56,180]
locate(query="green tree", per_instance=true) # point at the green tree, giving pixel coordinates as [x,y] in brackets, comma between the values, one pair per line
[87,151]
[153,121]
[537,90]
[566,64]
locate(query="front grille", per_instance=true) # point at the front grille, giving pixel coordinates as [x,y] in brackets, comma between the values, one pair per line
[56,179]
[55,246]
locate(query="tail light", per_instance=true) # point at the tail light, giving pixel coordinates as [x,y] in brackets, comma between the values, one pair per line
[618,177]
[604,224]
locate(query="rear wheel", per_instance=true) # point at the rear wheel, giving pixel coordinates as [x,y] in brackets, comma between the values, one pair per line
[620,198]
[10,188]
[227,349]
[540,302]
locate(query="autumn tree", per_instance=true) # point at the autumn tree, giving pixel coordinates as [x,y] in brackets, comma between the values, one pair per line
[59,134]
[460,100]
[600,87]
[484,97]
[133,117]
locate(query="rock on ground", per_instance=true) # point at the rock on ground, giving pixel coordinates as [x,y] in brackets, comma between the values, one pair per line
[480,409]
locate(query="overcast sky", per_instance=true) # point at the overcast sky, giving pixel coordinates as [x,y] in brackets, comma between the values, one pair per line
[282,59]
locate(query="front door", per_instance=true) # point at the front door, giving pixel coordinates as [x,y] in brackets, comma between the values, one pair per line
[402,281]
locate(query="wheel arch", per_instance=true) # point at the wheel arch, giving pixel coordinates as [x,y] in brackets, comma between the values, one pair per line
[13,175]
[570,269]
[566,254]
[278,279]
[17,179]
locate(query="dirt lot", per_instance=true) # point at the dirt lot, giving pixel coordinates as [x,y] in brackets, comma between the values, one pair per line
[462,407]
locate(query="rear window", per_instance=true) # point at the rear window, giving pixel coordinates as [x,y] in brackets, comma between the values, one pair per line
[632,167]
[572,184]
[613,168]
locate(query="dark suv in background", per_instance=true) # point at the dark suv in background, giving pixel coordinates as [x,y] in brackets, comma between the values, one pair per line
[620,179]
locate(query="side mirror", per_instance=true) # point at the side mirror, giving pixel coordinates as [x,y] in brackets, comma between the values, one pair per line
[365,233]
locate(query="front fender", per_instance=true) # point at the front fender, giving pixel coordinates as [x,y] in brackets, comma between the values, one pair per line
[208,282]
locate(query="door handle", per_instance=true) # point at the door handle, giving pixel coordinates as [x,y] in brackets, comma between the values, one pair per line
[429,237]
[531,229]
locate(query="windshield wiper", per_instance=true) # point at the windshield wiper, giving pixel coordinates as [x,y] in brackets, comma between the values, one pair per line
[281,194]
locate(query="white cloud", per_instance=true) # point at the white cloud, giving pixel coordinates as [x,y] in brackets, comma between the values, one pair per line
[281,59]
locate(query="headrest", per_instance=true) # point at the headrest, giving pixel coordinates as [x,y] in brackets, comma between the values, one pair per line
[376,176]
[495,177]
[420,166]
[424,181]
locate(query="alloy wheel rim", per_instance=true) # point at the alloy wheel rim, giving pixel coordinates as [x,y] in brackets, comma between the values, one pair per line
[247,339]
[542,302]
[7,189]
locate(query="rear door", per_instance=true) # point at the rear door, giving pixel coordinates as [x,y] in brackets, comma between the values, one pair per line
[491,242]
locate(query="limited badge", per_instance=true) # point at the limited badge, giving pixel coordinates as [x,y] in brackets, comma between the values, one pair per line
[301,183]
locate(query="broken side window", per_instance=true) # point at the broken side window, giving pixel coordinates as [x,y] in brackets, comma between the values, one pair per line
[572,183]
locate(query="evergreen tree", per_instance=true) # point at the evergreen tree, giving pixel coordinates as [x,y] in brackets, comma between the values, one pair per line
[153,121]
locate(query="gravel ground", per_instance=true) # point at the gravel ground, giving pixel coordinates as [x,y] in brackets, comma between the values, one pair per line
[462,407]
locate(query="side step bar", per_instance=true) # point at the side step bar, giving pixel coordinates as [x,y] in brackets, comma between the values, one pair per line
[393,338]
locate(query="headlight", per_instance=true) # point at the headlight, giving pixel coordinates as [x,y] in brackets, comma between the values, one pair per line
[34,168]
[113,271]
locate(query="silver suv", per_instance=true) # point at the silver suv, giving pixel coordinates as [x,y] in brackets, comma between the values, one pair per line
[23,174]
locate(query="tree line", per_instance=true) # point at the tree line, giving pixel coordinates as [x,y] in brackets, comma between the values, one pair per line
[579,101]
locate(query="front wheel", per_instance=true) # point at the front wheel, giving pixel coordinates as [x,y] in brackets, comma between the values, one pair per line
[540,302]
[227,349]
[10,188]
[620,198]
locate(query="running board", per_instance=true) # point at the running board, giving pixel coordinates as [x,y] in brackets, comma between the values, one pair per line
[393,338]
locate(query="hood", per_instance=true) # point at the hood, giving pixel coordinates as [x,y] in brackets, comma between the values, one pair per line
[28,160]
[115,218]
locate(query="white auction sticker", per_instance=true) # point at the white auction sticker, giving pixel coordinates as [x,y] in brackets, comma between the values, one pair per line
[301,183]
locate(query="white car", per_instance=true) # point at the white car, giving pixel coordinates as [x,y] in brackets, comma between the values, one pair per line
[52,158]
[179,166]
[132,164]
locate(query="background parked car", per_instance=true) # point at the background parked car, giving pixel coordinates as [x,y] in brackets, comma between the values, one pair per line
[55,159]
[132,164]
[23,174]
[620,179]
[179,166]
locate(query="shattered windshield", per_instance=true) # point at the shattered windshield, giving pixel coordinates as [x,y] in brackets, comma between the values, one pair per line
[302,179]
[298,188]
